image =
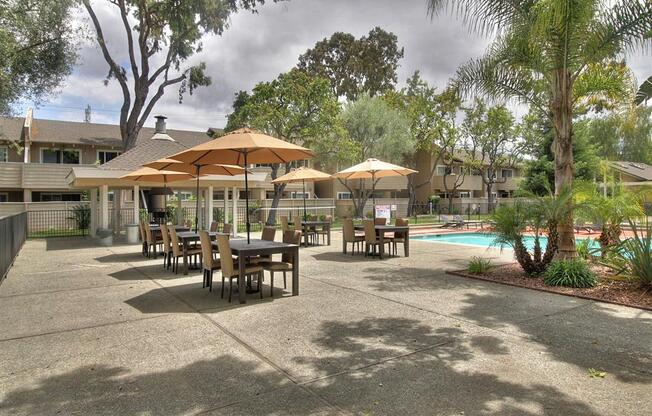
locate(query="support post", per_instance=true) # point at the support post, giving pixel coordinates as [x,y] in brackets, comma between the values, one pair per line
[179,213]
[104,206]
[92,194]
[209,206]
[235,210]
[226,205]
[136,204]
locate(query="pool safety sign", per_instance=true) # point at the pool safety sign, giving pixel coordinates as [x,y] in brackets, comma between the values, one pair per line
[384,211]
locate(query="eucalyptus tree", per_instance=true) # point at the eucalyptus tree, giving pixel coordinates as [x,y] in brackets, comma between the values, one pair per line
[159,39]
[558,56]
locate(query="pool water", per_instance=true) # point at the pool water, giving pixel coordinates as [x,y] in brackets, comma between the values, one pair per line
[479,239]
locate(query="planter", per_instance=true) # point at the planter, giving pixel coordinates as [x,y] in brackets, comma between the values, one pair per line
[132,233]
[105,237]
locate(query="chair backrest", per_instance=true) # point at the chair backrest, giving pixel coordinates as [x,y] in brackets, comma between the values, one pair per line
[348,230]
[329,218]
[380,221]
[290,237]
[369,231]
[227,228]
[269,233]
[226,258]
[206,249]
[284,223]
[458,218]
[401,222]
[141,231]
[213,226]
[174,240]
[166,238]
[148,233]
[297,223]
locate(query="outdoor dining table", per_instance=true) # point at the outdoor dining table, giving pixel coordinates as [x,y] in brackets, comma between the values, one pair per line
[186,237]
[242,249]
[382,229]
[314,224]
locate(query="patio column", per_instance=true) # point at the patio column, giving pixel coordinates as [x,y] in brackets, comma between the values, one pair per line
[136,199]
[104,206]
[235,210]
[92,194]
[200,213]
[209,206]
[226,205]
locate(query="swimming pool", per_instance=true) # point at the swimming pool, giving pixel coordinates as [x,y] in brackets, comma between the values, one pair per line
[477,239]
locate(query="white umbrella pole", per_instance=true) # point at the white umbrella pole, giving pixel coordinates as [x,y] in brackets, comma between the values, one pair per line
[246,196]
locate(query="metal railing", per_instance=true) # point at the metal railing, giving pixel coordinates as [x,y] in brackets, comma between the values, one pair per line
[13,232]
[58,222]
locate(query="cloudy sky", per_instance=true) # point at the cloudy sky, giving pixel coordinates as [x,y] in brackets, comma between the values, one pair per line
[257,47]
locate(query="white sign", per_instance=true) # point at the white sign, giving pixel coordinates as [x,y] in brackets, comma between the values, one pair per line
[393,207]
[384,211]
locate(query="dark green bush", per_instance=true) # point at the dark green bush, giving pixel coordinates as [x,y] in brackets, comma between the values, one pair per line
[479,265]
[632,257]
[570,273]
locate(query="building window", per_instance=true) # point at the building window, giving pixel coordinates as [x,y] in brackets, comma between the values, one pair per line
[104,156]
[508,173]
[344,195]
[66,156]
[4,154]
[269,194]
[300,195]
[443,170]
[59,197]
[464,194]
[4,197]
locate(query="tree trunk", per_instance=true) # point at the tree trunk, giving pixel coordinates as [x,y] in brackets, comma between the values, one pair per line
[412,195]
[562,117]
[490,198]
[278,192]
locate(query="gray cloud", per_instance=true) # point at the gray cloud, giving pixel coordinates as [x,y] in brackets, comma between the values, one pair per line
[258,47]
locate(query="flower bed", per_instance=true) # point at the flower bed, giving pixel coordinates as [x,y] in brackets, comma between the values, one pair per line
[609,289]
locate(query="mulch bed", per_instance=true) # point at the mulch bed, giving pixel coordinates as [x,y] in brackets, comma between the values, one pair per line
[609,289]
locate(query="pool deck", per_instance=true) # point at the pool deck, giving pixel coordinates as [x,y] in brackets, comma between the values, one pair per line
[91,330]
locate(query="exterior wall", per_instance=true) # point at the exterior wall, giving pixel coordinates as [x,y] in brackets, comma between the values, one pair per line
[88,153]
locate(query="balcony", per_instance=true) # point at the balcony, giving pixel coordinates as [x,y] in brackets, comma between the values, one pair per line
[42,176]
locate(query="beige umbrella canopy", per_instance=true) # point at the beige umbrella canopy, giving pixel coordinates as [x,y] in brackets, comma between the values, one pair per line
[373,169]
[242,147]
[302,175]
[146,174]
[196,170]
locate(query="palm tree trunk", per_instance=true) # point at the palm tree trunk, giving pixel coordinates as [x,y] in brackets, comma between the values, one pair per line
[562,117]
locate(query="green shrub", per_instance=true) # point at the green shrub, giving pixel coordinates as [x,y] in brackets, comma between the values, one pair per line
[82,215]
[633,256]
[570,273]
[478,265]
[584,249]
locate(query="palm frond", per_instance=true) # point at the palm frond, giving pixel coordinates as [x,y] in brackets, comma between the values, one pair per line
[604,85]
[484,16]
[644,92]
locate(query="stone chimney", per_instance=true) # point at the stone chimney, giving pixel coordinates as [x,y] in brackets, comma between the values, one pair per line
[160,131]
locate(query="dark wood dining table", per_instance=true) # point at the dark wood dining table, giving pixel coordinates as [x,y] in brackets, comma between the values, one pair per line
[381,230]
[242,249]
[186,237]
[314,224]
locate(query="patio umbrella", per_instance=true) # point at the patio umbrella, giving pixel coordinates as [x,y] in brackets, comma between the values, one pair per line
[373,169]
[302,175]
[242,147]
[146,174]
[197,170]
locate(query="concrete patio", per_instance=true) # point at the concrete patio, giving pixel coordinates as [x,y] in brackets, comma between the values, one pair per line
[103,331]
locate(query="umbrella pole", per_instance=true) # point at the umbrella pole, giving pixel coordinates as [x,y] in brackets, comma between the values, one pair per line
[246,196]
[305,213]
[197,204]
[373,192]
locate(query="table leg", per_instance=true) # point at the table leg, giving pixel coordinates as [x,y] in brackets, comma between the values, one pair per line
[381,249]
[295,272]
[329,235]
[242,294]
[343,244]
[407,244]
[185,255]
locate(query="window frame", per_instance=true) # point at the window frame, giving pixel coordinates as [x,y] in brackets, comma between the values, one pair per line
[6,195]
[97,154]
[339,196]
[502,173]
[6,149]
[295,195]
[446,168]
[60,150]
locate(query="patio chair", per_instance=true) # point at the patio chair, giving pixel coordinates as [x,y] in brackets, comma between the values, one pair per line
[167,246]
[284,223]
[177,250]
[268,235]
[287,261]
[324,230]
[213,226]
[227,228]
[230,268]
[457,222]
[152,242]
[400,237]
[371,240]
[349,235]
[143,237]
[209,263]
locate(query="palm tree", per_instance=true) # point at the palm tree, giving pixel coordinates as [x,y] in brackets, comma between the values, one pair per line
[559,56]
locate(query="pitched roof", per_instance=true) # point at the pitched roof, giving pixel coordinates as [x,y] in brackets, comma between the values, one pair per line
[145,151]
[639,170]
[70,132]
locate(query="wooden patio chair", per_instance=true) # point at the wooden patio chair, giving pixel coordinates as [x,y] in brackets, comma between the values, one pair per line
[287,260]
[213,226]
[268,235]
[230,268]
[284,223]
[152,242]
[371,239]
[400,237]
[324,230]
[177,250]
[349,235]
[167,246]
[227,228]
[209,263]
[143,237]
